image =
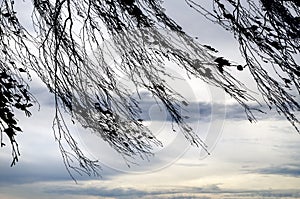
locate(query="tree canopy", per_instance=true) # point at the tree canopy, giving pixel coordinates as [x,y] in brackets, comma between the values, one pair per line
[73,48]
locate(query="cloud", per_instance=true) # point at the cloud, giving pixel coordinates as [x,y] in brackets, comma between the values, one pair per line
[42,162]
[129,192]
[23,173]
[200,111]
[102,192]
[206,192]
[285,170]
[92,189]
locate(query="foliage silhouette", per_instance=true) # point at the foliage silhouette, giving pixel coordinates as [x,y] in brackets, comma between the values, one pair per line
[66,52]
[268,32]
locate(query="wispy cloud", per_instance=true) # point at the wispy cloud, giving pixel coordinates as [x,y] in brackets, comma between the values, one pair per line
[285,170]
[153,110]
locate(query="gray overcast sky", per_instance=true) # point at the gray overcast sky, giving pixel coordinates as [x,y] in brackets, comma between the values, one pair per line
[248,160]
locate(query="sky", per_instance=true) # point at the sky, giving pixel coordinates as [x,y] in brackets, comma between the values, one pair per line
[248,160]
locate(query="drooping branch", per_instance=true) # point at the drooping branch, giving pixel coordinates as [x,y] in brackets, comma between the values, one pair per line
[81,49]
[83,75]
[14,90]
[268,33]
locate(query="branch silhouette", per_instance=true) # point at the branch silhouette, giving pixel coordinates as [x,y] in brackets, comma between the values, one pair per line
[71,54]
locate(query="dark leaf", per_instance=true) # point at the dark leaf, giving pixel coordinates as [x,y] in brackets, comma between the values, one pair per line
[29,105]
[287,81]
[210,48]
[222,62]
[6,14]
[229,16]
[10,132]
[17,128]
[276,45]
[22,70]
[240,67]
[160,87]
[254,27]
[126,144]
